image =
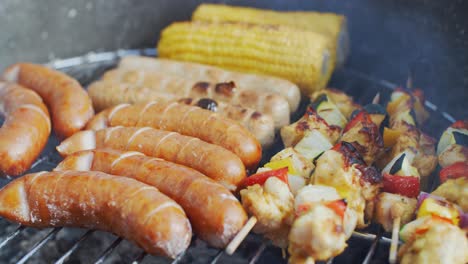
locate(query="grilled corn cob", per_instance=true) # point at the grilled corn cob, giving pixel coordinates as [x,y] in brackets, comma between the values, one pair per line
[300,56]
[330,25]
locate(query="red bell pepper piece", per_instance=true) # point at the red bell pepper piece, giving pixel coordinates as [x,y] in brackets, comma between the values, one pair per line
[261,177]
[404,185]
[454,171]
[339,206]
[361,117]
[461,124]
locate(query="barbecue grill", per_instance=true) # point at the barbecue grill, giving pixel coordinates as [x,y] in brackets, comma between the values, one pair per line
[19,244]
[387,38]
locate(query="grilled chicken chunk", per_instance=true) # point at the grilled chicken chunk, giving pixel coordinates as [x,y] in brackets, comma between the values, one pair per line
[390,206]
[455,191]
[434,241]
[318,231]
[273,205]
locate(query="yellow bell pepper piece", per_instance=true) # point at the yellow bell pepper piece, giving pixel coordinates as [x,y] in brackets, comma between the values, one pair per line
[431,206]
[278,164]
[390,136]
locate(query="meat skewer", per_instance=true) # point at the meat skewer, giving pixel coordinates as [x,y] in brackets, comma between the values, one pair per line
[186,120]
[215,214]
[25,131]
[145,84]
[95,200]
[212,160]
[69,104]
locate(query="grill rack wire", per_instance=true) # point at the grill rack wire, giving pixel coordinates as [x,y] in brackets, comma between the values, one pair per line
[88,67]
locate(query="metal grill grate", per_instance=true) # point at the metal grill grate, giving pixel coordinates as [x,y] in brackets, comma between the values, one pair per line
[20,244]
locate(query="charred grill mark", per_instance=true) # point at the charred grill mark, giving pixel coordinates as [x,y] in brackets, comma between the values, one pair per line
[302,126]
[370,174]
[201,87]
[350,153]
[256,115]
[187,101]
[208,104]
[226,88]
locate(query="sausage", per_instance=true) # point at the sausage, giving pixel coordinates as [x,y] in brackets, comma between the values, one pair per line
[25,131]
[186,120]
[201,72]
[229,92]
[105,94]
[68,102]
[215,214]
[95,200]
[212,160]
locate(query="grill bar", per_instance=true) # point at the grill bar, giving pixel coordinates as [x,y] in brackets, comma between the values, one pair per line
[258,253]
[372,249]
[11,236]
[218,255]
[74,247]
[108,251]
[39,245]
[139,258]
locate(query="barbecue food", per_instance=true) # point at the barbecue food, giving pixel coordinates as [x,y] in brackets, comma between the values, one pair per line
[318,230]
[126,207]
[25,131]
[145,85]
[212,160]
[409,137]
[215,214]
[453,144]
[390,206]
[300,56]
[208,73]
[333,26]
[292,134]
[69,104]
[344,103]
[455,191]
[271,201]
[186,120]
[433,240]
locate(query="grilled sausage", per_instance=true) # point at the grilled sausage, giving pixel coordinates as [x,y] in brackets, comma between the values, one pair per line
[215,214]
[105,94]
[228,92]
[124,206]
[212,160]
[68,102]
[207,73]
[25,131]
[186,120]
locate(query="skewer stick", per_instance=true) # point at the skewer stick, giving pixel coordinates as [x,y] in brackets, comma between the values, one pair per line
[392,258]
[234,244]
[376,99]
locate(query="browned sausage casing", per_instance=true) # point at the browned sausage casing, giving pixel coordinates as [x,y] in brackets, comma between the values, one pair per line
[269,103]
[215,214]
[124,206]
[69,104]
[212,160]
[25,131]
[187,120]
[106,94]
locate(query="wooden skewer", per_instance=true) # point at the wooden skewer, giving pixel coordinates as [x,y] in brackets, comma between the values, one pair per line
[237,240]
[392,258]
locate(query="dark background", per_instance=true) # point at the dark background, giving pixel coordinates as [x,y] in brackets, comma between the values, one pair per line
[387,37]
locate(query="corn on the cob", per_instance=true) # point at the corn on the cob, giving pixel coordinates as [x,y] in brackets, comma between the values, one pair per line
[328,24]
[300,56]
